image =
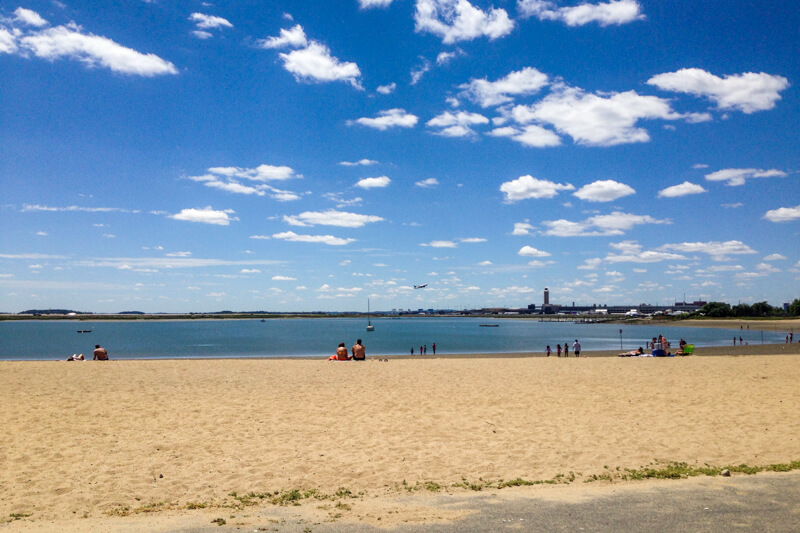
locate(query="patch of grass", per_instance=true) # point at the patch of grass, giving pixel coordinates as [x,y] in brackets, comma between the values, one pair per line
[519,482]
[470,486]
[17,516]
[343,506]
[344,493]
[292,497]
[120,510]
[194,505]
[431,486]
[219,521]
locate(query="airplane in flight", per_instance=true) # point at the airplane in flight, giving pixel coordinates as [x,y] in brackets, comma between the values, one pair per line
[421,286]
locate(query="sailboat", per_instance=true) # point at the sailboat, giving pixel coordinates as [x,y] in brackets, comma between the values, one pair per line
[370,327]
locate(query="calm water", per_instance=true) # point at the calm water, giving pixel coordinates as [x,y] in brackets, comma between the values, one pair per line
[317,337]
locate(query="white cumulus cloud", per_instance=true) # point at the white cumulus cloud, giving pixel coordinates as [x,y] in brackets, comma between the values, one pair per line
[616,223]
[492,93]
[206,215]
[526,187]
[737,176]
[531,135]
[294,38]
[205,22]
[366,4]
[594,119]
[360,162]
[748,92]
[684,189]
[719,251]
[427,183]
[456,124]
[441,244]
[530,251]
[522,228]
[604,13]
[390,118]
[331,217]
[330,240]
[29,18]
[387,89]
[374,183]
[316,64]
[783,214]
[604,191]
[71,42]
[459,20]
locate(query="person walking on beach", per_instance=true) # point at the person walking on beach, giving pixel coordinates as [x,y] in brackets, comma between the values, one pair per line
[359,352]
[412,350]
[576,347]
[100,354]
[434,348]
[566,350]
[547,350]
[420,350]
[426,349]
[558,350]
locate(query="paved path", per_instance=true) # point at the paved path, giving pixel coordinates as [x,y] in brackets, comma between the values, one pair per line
[763,503]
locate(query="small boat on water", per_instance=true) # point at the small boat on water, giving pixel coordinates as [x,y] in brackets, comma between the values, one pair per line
[370,327]
[84,331]
[490,325]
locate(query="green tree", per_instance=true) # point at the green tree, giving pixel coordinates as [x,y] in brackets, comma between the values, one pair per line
[717,309]
[794,308]
[762,309]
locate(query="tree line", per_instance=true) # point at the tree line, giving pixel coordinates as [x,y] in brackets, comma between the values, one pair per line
[756,310]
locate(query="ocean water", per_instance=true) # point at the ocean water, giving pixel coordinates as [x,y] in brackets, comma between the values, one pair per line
[313,337]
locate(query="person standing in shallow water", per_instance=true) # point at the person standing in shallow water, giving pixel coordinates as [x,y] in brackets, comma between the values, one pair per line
[566,350]
[434,348]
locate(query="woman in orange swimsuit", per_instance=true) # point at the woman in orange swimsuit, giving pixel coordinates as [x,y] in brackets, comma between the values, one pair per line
[341,354]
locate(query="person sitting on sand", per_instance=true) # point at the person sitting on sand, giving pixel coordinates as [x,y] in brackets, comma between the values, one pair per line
[78,357]
[633,353]
[359,352]
[100,354]
[341,354]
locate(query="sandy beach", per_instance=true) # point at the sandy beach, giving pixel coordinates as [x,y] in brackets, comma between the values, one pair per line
[99,445]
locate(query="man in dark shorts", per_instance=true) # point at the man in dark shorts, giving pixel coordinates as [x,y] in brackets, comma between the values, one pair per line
[359,352]
[576,347]
[100,354]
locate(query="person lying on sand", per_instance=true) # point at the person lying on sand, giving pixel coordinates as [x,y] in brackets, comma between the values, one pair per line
[341,354]
[74,357]
[633,353]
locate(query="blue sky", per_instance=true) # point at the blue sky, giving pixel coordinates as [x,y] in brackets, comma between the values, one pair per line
[306,155]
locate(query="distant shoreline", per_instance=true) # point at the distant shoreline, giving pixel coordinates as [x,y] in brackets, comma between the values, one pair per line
[755,324]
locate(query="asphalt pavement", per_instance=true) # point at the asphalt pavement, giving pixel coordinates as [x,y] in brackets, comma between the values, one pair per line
[762,503]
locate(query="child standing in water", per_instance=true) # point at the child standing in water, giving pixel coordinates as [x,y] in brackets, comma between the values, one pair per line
[566,350]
